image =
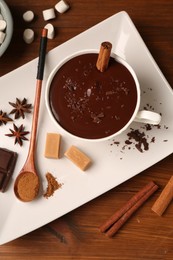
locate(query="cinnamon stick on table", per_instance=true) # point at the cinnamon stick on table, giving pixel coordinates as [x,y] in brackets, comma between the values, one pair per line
[104,56]
[164,199]
[115,222]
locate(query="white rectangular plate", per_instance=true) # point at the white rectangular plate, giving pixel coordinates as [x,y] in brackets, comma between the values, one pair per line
[112,164]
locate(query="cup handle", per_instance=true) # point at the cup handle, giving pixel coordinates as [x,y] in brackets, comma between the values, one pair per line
[148,117]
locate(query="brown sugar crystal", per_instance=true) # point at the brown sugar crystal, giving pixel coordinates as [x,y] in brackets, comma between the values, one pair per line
[52,185]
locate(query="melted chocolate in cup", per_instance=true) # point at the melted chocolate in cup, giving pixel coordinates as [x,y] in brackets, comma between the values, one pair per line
[92,104]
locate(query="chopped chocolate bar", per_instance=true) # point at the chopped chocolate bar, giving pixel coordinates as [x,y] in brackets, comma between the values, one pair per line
[7,163]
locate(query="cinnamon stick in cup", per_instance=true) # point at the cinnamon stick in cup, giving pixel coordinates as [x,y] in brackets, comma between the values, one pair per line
[104,55]
[164,199]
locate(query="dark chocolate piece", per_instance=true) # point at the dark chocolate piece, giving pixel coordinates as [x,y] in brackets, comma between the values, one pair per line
[1,177]
[7,163]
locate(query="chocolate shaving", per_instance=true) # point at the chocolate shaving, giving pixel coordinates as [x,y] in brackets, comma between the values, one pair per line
[128,142]
[97,118]
[140,139]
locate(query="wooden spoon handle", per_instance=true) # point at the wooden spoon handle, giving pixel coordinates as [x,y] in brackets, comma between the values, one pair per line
[41,62]
[31,153]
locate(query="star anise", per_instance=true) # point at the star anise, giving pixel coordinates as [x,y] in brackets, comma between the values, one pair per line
[20,108]
[18,133]
[4,118]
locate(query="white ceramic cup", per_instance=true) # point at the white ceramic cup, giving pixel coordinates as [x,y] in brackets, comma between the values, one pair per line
[143,116]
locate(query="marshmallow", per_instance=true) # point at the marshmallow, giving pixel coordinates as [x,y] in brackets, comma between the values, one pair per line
[48,14]
[28,16]
[28,36]
[3,25]
[51,31]
[2,37]
[62,6]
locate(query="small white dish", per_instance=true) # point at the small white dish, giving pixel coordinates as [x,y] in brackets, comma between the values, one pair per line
[112,164]
[6,14]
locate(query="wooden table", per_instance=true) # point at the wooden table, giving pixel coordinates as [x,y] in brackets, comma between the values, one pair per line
[76,235]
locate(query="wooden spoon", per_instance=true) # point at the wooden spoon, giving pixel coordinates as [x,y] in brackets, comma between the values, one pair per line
[26,186]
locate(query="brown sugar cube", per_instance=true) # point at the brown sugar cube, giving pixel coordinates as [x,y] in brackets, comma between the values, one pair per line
[78,158]
[52,145]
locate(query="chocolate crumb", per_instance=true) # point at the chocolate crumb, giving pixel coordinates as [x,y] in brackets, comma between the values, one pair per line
[128,142]
[148,127]
[159,126]
[153,140]
[117,143]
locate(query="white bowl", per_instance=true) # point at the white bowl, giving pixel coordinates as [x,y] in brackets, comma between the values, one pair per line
[5,11]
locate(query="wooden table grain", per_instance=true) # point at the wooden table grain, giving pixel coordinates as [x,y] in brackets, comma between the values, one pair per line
[76,235]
